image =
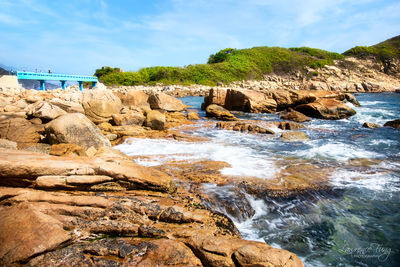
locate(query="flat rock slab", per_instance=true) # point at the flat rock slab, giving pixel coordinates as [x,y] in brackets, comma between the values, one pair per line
[21,168]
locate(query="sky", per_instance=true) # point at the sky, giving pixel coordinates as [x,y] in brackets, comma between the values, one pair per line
[79,36]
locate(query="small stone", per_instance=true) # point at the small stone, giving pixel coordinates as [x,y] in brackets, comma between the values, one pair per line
[371,125]
[294,136]
[193,116]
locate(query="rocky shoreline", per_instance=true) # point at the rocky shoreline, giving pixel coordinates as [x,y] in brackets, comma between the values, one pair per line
[80,201]
[346,75]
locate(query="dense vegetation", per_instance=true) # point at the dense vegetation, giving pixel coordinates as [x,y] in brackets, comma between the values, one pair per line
[382,51]
[225,66]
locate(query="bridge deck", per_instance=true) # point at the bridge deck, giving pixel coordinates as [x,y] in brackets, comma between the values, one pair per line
[63,78]
[54,77]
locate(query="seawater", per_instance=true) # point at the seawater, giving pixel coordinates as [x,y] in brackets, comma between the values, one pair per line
[357,223]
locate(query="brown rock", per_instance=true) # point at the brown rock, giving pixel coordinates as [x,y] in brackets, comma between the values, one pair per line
[288,125]
[132,117]
[21,168]
[250,101]
[44,110]
[135,99]
[215,96]
[351,98]
[67,150]
[394,124]
[165,102]
[36,121]
[329,109]
[219,251]
[100,105]
[219,113]
[193,116]
[155,120]
[371,125]
[75,128]
[294,136]
[292,115]
[261,255]
[26,232]
[68,106]
[166,253]
[75,182]
[20,131]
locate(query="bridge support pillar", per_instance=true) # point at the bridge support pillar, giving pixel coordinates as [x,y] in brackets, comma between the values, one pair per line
[63,85]
[80,86]
[94,84]
[42,85]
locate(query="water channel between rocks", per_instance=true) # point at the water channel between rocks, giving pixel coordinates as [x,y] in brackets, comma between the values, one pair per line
[356,223]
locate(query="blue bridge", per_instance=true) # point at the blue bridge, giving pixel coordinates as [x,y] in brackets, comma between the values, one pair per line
[42,77]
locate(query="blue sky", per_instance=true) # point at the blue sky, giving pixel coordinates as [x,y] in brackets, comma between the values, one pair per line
[78,36]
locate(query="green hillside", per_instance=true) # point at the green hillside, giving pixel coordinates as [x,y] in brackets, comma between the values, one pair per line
[382,51]
[226,66]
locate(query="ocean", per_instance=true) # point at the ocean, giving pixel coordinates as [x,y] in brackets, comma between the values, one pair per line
[354,223]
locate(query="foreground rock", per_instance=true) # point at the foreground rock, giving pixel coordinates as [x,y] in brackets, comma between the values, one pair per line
[24,168]
[40,233]
[75,128]
[219,113]
[394,124]
[328,109]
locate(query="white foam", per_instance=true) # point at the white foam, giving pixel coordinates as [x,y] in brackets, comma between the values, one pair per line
[244,161]
[376,181]
[334,151]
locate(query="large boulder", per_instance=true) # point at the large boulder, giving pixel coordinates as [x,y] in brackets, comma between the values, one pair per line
[250,101]
[134,99]
[220,113]
[44,110]
[327,108]
[215,96]
[165,102]
[75,128]
[100,105]
[394,124]
[129,118]
[20,131]
[155,120]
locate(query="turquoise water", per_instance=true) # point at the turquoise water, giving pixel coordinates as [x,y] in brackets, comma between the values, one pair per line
[356,223]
